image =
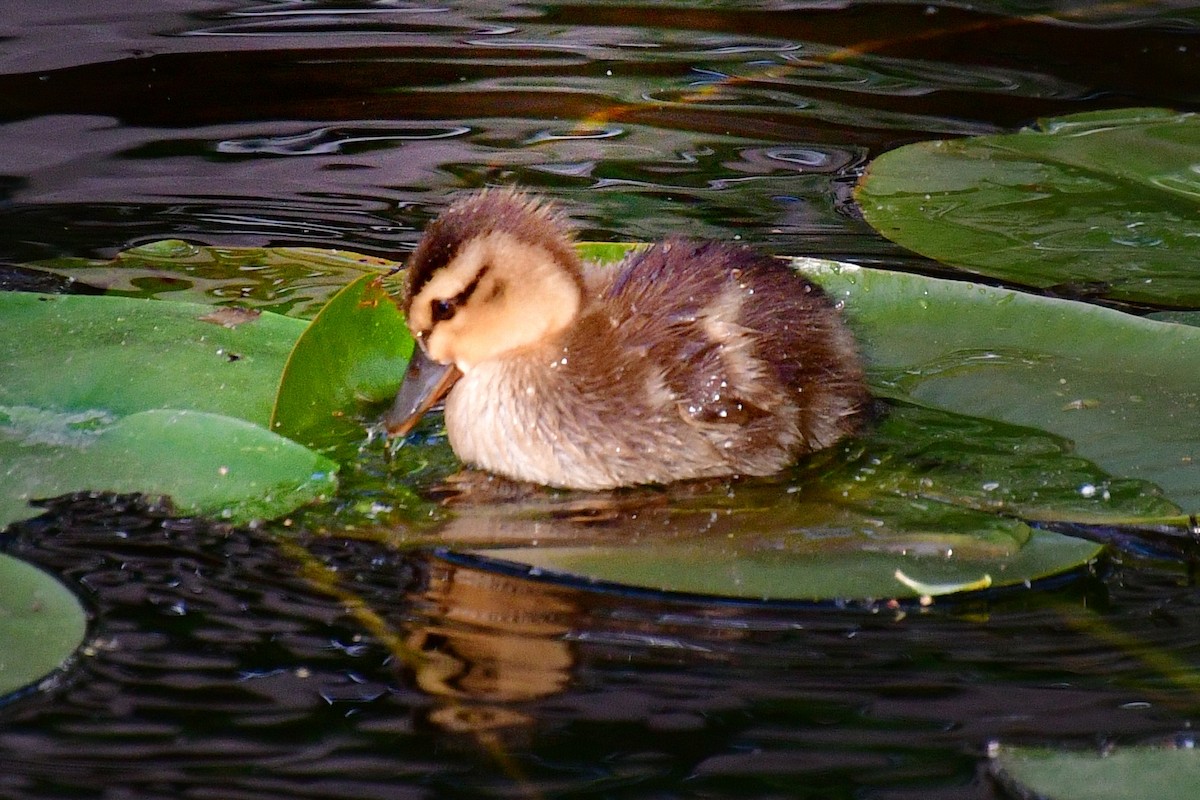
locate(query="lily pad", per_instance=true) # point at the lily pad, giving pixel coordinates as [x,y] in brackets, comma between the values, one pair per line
[120,355]
[207,464]
[1121,388]
[296,281]
[1060,411]
[110,393]
[349,360]
[927,503]
[747,570]
[1119,773]
[41,624]
[1096,204]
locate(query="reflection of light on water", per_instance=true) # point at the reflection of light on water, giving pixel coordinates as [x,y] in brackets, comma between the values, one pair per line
[323,141]
[575,133]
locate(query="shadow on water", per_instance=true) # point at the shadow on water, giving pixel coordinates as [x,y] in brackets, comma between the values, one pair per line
[229,663]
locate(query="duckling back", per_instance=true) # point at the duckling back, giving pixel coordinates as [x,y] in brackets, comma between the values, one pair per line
[758,356]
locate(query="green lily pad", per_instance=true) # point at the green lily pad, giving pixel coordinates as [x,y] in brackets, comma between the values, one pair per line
[208,464]
[1119,773]
[1122,388]
[1099,204]
[120,355]
[349,360]
[926,503]
[109,393]
[747,570]
[41,624]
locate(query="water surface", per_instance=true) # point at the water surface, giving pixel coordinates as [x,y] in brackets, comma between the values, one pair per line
[222,666]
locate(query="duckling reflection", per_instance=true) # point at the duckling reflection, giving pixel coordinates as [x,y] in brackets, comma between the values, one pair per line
[688,360]
[489,639]
[492,638]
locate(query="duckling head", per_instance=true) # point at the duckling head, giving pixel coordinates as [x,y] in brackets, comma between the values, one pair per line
[495,273]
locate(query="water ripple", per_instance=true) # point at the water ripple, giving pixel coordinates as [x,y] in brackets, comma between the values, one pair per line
[323,141]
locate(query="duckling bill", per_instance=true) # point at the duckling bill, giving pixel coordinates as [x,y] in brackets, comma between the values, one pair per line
[687,360]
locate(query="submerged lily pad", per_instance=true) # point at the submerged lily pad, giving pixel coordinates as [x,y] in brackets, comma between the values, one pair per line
[1119,773]
[109,393]
[296,281]
[1096,204]
[924,454]
[41,624]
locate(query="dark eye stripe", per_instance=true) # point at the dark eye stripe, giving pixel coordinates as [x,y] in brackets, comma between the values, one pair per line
[444,309]
[470,288]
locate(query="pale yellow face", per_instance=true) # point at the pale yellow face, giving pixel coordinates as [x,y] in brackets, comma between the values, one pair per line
[499,294]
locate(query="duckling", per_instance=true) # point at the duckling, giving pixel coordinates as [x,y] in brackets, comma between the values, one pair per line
[687,360]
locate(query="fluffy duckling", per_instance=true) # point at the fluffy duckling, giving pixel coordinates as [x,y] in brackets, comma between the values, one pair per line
[687,360]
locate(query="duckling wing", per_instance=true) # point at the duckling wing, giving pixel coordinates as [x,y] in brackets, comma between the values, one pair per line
[752,357]
[687,308]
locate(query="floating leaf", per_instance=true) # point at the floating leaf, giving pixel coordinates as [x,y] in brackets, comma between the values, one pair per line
[80,353]
[929,483]
[927,494]
[744,568]
[1118,773]
[1100,204]
[109,393]
[350,359]
[1121,388]
[41,624]
[207,464]
[296,281]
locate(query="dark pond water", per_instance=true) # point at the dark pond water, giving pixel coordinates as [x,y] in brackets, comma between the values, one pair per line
[223,664]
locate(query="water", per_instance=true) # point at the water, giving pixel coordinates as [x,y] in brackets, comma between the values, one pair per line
[216,670]
[222,664]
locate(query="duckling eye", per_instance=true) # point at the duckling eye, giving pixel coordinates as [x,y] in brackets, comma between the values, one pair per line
[442,310]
